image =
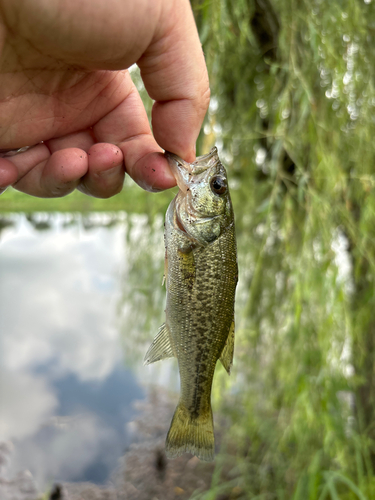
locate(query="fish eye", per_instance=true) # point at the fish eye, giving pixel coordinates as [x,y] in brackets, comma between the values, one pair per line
[218,185]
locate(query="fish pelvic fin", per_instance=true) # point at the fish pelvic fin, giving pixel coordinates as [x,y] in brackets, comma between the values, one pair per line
[226,357]
[161,346]
[191,435]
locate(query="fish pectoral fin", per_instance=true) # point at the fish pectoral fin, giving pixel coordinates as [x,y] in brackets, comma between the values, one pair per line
[226,357]
[161,346]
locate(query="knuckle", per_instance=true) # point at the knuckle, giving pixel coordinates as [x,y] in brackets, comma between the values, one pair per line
[202,95]
[205,99]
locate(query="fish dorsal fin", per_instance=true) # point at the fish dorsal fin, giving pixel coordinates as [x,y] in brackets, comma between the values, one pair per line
[161,346]
[226,357]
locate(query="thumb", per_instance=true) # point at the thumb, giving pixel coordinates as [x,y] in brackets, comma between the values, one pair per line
[174,72]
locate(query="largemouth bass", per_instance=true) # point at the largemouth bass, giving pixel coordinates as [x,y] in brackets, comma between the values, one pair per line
[201,278]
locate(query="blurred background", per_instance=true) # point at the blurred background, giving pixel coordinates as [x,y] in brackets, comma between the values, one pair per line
[293,116]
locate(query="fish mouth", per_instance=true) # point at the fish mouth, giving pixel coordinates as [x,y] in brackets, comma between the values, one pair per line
[183,171]
[204,160]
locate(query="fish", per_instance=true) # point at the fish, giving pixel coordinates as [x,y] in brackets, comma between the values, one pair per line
[201,275]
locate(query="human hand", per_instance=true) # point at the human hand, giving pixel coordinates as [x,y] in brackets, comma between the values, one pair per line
[63,81]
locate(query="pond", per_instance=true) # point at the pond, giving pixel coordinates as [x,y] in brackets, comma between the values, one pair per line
[80,301]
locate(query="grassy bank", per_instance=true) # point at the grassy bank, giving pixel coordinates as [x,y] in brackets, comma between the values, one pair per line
[131,199]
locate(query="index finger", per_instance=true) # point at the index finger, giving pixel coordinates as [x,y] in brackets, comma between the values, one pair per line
[175,75]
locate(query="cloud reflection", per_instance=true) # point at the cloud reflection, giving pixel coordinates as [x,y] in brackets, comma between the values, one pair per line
[77,300]
[23,394]
[67,452]
[58,294]
[62,386]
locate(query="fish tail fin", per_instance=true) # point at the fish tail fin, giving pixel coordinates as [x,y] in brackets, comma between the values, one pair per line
[191,435]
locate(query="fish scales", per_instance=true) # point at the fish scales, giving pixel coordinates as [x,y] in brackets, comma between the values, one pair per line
[201,312]
[201,277]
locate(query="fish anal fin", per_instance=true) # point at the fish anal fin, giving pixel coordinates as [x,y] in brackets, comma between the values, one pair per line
[226,357]
[161,346]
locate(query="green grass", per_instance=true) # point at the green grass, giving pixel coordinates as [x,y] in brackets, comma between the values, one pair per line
[131,199]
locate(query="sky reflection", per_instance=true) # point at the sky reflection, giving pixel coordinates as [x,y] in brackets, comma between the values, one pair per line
[68,288]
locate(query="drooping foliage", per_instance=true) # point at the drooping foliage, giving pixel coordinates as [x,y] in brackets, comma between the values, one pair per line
[293,111]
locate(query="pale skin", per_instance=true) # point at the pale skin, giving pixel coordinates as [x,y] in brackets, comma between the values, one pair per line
[64,81]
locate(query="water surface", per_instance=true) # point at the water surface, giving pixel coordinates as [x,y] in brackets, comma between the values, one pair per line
[80,300]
